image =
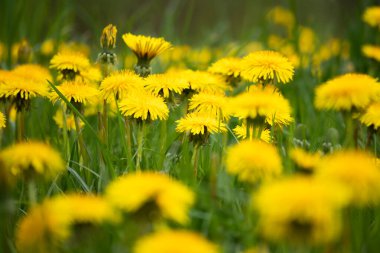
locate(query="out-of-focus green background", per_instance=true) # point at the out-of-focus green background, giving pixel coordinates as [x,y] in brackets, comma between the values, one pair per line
[180,21]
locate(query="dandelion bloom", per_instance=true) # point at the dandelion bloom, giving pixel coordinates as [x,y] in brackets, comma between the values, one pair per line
[119,84]
[108,37]
[204,81]
[200,124]
[304,160]
[151,192]
[371,115]
[306,41]
[253,161]
[281,16]
[34,72]
[3,121]
[229,66]
[264,102]
[144,105]
[241,133]
[145,47]
[372,16]
[267,66]
[22,159]
[18,87]
[76,92]
[355,170]
[300,210]
[164,84]
[70,121]
[213,103]
[347,92]
[179,241]
[70,63]
[372,52]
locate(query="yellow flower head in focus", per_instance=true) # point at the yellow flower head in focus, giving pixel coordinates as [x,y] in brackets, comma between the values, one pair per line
[241,133]
[21,159]
[76,92]
[3,121]
[267,66]
[230,66]
[108,37]
[163,84]
[347,92]
[372,16]
[300,210]
[70,64]
[262,102]
[144,105]
[146,47]
[253,161]
[119,84]
[372,52]
[170,241]
[200,124]
[151,192]
[371,115]
[304,160]
[355,170]
[212,103]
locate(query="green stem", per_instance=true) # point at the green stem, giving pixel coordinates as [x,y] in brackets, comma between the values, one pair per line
[66,144]
[194,160]
[82,147]
[32,192]
[128,139]
[140,142]
[163,132]
[105,123]
[349,138]
[20,126]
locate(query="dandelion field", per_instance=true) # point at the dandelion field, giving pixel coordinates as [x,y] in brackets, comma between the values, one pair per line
[143,142]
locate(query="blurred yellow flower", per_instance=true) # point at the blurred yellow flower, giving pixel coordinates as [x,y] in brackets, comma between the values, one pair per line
[229,66]
[163,84]
[47,47]
[371,115]
[346,92]
[300,210]
[281,16]
[372,16]
[306,40]
[141,104]
[212,103]
[305,160]
[178,241]
[267,66]
[204,81]
[119,84]
[355,170]
[372,52]
[151,192]
[145,47]
[241,133]
[200,124]
[33,72]
[21,159]
[70,121]
[3,121]
[253,161]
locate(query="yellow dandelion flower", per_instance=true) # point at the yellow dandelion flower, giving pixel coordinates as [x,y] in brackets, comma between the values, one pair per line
[306,41]
[372,52]
[200,124]
[180,241]
[267,66]
[136,192]
[75,92]
[70,63]
[145,47]
[205,81]
[22,88]
[355,170]
[163,84]
[70,121]
[212,103]
[22,159]
[92,74]
[253,161]
[281,16]
[346,92]
[262,102]
[371,115]
[230,66]
[47,47]
[108,37]
[300,210]
[372,16]
[73,46]
[41,230]
[304,160]
[83,209]
[34,72]
[144,105]
[3,121]
[241,133]
[119,84]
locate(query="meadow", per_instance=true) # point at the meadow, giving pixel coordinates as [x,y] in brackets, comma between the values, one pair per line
[145,143]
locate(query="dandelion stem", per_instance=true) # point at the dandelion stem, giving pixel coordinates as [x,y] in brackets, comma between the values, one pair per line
[20,126]
[195,159]
[140,141]
[128,140]
[32,192]
[349,138]
[82,147]
[105,123]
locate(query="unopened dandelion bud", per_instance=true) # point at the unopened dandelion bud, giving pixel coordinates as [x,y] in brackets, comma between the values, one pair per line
[24,53]
[108,37]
